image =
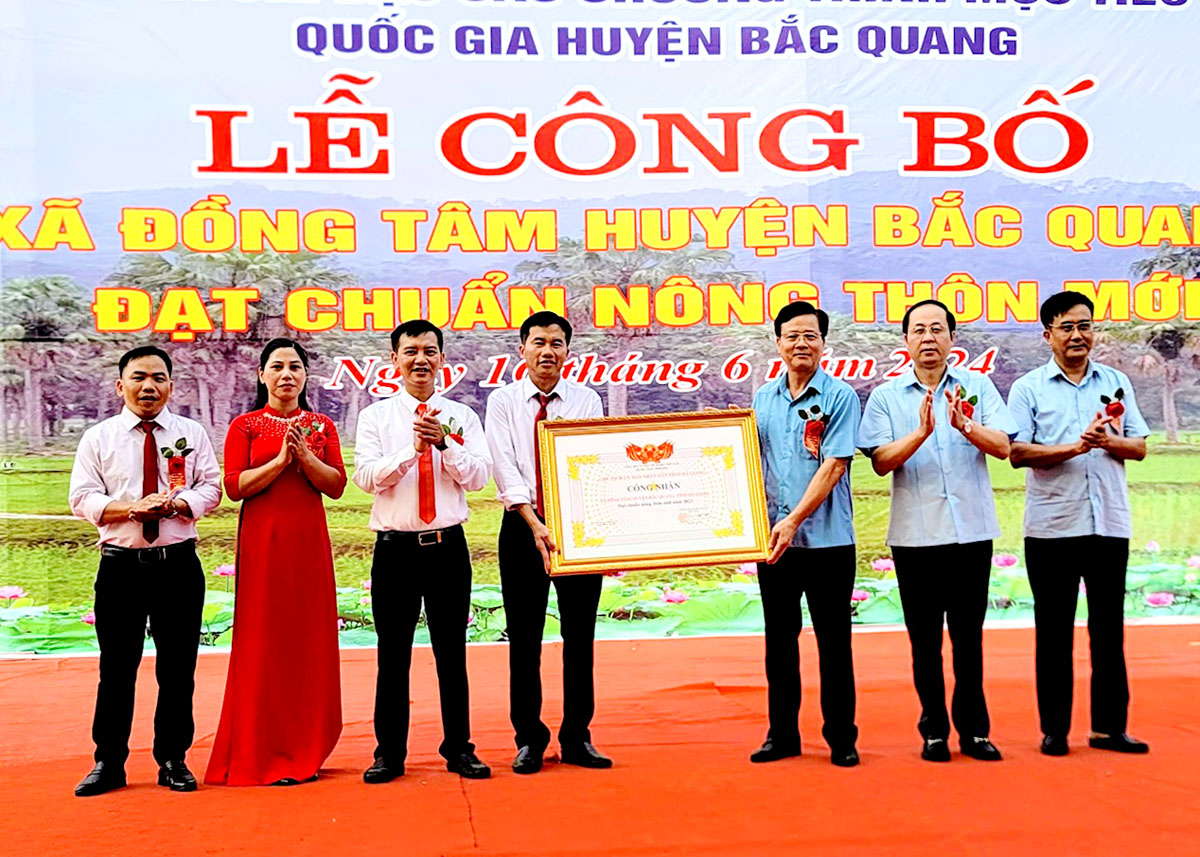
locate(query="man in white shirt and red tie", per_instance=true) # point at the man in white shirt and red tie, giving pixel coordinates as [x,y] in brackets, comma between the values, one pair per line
[513,413]
[143,477]
[419,453]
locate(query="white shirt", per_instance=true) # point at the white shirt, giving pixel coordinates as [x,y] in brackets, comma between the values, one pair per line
[385,463]
[511,411]
[108,469]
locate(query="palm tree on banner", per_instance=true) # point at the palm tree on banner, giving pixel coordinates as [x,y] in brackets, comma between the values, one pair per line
[216,363]
[580,270]
[1167,348]
[42,321]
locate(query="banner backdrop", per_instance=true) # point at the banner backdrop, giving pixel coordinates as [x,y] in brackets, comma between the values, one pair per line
[209,174]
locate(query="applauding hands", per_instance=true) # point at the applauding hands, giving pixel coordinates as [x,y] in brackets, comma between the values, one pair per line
[960,409]
[427,431]
[927,420]
[1097,435]
[153,507]
[296,445]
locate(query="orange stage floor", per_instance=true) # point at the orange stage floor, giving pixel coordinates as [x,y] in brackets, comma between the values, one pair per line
[679,717]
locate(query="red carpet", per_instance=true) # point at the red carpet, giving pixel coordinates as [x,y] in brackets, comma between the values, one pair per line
[679,717]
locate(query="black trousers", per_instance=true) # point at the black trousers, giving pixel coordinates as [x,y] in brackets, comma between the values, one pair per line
[169,593]
[950,583]
[826,576]
[526,589]
[403,575]
[1055,569]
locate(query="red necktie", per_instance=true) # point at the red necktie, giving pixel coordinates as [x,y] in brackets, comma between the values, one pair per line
[149,474]
[426,502]
[543,401]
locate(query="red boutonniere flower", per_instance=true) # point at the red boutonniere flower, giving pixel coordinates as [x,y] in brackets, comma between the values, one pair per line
[968,405]
[176,463]
[1113,406]
[815,424]
[452,431]
[314,436]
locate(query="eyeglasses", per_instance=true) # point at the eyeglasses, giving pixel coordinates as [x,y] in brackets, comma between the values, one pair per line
[809,338]
[921,330]
[1069,327]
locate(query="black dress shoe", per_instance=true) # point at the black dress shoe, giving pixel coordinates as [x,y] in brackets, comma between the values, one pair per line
[981,749]
[528,761]
[382,771]
[103,778]
[845,758]
[935,750]
[585,756]
[772,752]
[176,777]
[292,781]
[468,765]
[1122,743]
[1055,745]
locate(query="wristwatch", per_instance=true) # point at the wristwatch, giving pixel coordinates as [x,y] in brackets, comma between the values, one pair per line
[968,425]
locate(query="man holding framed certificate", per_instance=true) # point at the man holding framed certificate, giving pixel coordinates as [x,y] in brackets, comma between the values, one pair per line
[526,547]
[807,426]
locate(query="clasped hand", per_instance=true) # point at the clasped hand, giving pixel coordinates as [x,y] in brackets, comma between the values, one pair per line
[294,446]
[427,431]
[152,507]
[1097,435]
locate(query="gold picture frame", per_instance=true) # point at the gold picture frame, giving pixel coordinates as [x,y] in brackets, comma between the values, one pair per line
[671,490]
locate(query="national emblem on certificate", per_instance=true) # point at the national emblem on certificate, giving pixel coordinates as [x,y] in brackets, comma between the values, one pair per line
[659,491]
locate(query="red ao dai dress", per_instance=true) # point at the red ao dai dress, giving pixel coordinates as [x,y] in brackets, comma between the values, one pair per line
[282,712]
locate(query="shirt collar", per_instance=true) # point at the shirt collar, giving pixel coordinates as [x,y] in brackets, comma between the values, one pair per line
[1053,370]
[529,390]
[909,378]
[130,420]
[410,401]
[816,384]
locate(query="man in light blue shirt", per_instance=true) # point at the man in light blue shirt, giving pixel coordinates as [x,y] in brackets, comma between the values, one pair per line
[932,429]
[1077,424]
[807,425]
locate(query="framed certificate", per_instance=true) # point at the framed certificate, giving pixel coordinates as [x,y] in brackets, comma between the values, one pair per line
[657,491]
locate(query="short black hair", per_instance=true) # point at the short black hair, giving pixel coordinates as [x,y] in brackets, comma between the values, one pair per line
[799,308]
[950,320]
[143,351]
[415,327]
[1056,305]
[545,318]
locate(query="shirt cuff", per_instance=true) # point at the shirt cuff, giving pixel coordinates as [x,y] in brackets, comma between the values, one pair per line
[93,505]
[390,473]
[195,503]
[453,451]
[873,442]
[511,499]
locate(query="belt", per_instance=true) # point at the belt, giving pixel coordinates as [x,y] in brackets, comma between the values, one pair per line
[148,555]
[425,538]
